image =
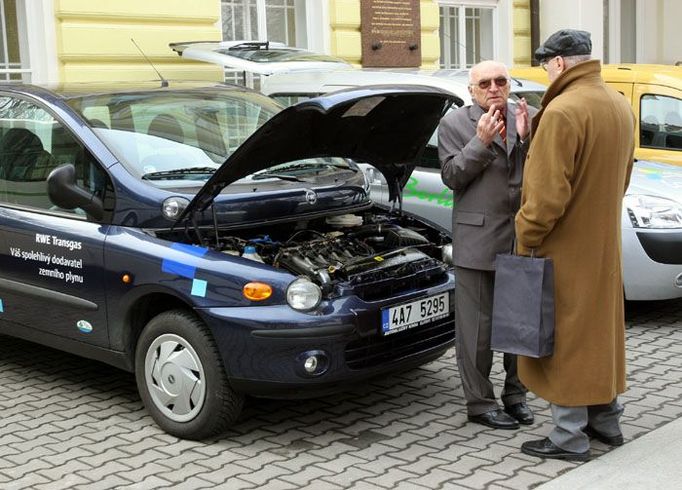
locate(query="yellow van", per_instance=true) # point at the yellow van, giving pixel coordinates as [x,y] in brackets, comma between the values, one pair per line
[655,92]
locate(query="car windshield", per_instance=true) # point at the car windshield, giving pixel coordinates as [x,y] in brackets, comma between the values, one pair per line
[182,136]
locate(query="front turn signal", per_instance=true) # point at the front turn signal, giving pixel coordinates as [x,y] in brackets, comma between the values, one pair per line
[257,291]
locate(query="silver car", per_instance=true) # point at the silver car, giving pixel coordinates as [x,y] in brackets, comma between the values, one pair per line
[652,208]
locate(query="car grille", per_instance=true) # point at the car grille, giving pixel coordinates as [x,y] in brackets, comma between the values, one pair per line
[376,350]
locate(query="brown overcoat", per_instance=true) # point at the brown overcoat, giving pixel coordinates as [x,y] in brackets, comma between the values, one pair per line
[576,172]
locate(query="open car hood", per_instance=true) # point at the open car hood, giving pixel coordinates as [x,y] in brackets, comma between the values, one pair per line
[385,126]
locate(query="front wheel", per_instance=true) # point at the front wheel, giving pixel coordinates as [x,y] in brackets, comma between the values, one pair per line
[181,377]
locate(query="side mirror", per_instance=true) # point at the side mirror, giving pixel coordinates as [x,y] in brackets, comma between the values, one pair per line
[63,192]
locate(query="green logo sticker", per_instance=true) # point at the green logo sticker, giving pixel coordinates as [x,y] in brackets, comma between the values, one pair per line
[444,198]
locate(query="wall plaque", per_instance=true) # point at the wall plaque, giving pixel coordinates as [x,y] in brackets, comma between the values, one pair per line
[390,33]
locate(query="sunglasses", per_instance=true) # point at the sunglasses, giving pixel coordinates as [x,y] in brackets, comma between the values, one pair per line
[547,61]
[485,83]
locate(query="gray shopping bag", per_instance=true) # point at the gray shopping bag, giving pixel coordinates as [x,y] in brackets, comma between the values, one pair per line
[523,306]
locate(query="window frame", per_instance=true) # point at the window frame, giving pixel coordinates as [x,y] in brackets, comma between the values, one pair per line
[461,7]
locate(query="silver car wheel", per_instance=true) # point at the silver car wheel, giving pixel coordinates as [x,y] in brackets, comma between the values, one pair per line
[175,378]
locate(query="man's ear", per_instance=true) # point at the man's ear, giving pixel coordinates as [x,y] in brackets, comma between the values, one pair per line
[471,91]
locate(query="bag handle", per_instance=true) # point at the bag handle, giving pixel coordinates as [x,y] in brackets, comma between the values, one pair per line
[514,251]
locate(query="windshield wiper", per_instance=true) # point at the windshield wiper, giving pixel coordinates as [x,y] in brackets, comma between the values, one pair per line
[315,166]
[178,172]
[268,175]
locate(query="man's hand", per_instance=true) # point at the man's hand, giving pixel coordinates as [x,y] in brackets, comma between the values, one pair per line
[489,125]
[521,113]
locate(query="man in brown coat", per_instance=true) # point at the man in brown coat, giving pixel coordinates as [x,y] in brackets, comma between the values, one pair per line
[482,148]
[576,172]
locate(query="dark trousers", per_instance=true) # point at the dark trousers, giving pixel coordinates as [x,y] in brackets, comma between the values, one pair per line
[473,314]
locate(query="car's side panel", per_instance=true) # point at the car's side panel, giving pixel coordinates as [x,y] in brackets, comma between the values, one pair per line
[52,270]
[195,276]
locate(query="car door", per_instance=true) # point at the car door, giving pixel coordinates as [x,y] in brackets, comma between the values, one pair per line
[425,194]
[52,277]
[659,123]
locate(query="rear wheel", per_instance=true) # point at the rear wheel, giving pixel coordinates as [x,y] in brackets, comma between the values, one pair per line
[181,377]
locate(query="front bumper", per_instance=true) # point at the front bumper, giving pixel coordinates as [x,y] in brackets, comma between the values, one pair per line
[263,348]
[652,264]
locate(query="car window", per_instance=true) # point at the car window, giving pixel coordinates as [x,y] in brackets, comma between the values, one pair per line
[32,144]
[157,132]
[660,122]
[429,158]
[533,97]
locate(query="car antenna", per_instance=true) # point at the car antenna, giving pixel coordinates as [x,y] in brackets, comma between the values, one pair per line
[164,82]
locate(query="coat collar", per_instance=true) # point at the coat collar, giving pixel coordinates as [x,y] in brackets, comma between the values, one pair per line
[580,75]
[583,73]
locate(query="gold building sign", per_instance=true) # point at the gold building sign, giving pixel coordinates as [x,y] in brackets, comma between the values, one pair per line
[390,33]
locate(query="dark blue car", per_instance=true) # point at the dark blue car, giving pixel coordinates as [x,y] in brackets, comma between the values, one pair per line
[217,245]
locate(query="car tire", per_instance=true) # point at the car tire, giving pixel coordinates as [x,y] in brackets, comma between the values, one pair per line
[181,378]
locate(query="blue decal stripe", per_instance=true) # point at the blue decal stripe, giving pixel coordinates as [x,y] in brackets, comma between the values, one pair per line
[190,249]
[173,267]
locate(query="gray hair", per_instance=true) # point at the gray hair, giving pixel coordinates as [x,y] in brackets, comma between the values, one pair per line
[571,61]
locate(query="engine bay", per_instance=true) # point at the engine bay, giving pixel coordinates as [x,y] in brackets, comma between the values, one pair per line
[370,254]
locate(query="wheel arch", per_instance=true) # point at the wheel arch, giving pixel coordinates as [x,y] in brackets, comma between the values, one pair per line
[142,310]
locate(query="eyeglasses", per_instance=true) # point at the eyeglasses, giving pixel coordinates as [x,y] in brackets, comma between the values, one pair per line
[485,83]
[546,62]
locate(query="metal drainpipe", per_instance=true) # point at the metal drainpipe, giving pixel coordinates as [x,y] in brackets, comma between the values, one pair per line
[534,30]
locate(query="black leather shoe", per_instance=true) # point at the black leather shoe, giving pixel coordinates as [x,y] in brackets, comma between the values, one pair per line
[496,419]
[520,412]
[610,440]
[544,448]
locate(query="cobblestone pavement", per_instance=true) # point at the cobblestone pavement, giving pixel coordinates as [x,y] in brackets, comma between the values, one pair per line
[68,422]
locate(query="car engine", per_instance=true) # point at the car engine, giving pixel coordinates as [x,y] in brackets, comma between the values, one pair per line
[372,255]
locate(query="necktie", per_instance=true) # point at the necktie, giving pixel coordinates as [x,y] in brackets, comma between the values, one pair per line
[503,133]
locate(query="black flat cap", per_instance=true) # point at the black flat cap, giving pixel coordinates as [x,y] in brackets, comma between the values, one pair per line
[566,42]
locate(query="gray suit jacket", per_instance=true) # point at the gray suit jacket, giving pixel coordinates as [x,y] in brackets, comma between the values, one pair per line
[486,182]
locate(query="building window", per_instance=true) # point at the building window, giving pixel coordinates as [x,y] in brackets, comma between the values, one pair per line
[268,20]
[259,20]
[11,66]
[466,35]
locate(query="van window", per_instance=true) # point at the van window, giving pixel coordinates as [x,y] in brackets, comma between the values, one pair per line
[660,122]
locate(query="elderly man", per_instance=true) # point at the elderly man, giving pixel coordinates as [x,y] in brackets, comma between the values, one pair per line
[577,171]
[482,148]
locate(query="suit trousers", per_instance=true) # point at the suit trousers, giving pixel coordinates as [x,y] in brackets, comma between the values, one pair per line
[473,317]
[570,421]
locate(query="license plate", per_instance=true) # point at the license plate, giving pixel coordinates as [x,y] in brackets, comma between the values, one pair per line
[410,315]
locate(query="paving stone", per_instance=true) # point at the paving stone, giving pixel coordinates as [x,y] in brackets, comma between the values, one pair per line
[436,478]
[309,475]
[224,473]
[390,479]
[480,478]
[82,425]
[106,483]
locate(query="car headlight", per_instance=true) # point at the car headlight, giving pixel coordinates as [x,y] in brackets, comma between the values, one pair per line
[653,212]
[303,294]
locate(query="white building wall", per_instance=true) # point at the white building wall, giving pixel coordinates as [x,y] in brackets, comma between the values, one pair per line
[587,15]
[671,38]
